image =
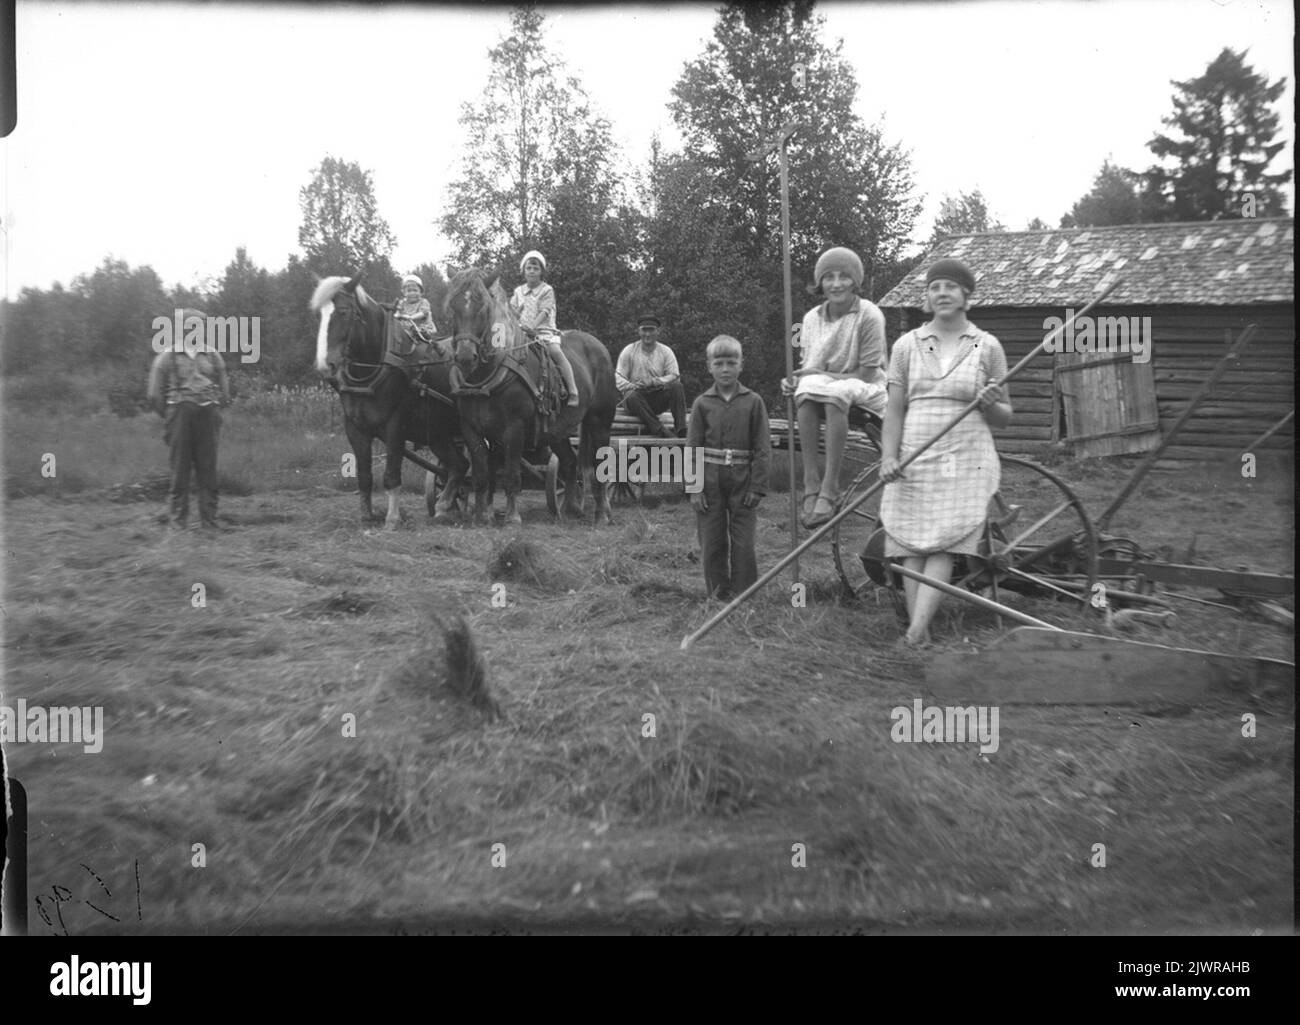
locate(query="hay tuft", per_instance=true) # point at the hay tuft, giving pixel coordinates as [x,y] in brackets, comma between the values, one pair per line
[523,562]
[466,668]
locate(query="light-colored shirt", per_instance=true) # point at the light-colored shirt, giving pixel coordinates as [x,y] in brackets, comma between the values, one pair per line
[851,344]
[417,311]
[179,377]
[536,308]
[638,369]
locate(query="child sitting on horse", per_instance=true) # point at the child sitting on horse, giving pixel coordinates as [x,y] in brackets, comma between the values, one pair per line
[534,301]
[414,308]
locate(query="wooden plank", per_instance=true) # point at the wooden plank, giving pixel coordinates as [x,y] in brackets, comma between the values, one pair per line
[1239,410]
[1225,433]
[1208,453]
[1104,361]
[1266,389]
[1031,665]
[1140,428]
[1263,584]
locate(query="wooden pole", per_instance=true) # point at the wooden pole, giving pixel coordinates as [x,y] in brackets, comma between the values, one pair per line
[1270,432]
[779,144]
[789,347]
[849,507]
[970,596]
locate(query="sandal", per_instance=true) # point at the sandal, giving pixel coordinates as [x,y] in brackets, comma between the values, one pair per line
[822,511]
[806,507]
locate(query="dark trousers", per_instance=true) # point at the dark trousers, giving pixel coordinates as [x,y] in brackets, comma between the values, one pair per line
[727,531]
[647,403]
[192,431]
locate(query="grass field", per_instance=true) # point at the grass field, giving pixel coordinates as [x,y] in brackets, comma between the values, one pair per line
[228,725]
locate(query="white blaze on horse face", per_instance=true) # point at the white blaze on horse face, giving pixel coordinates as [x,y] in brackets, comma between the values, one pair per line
[322,337]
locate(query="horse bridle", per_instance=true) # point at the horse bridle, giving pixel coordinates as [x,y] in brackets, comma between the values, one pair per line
[349,381]
[355,320]
[483,355]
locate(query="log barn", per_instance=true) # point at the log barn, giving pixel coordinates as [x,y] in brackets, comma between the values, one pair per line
[1188,290]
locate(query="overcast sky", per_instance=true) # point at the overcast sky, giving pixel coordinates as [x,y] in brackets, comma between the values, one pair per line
[171,134]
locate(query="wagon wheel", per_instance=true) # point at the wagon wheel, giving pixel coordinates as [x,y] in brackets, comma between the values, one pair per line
[1039,539]
[1042,533]
[856,533]
[860,455]
[555,486]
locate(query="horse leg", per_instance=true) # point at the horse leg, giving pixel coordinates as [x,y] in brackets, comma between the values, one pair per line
[595,438]
[395,440]
[360,442]
[572,507]
[481,468]
[514,450]
[599,490]
[450,457]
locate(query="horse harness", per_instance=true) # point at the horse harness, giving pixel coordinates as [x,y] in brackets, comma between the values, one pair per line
[507,363]
[411,368]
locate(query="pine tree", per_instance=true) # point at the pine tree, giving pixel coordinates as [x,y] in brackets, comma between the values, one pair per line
[1222,149]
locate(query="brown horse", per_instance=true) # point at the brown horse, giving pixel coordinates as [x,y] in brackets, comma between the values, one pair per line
[498,399]
[394,399]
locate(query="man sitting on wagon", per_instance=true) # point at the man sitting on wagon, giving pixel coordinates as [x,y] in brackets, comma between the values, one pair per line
[650,382]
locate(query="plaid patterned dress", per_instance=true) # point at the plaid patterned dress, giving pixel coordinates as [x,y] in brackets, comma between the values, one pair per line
[942,503]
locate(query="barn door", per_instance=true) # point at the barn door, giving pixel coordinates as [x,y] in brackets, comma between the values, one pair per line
[1108,404]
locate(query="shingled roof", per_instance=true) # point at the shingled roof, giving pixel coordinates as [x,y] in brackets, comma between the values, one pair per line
[1202,263]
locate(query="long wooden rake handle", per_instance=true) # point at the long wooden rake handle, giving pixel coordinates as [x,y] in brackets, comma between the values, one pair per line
[826,527]
[973,598]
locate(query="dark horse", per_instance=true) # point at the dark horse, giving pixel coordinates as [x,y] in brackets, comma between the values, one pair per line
[498,399]
[385,395]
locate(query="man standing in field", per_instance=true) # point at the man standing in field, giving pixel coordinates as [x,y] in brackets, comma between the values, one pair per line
[648,377]
[186,387]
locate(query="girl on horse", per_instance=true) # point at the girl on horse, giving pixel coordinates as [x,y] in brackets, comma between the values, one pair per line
[414,308]
[534,301]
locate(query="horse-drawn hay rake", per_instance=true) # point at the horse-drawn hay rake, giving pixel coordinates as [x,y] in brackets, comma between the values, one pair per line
[1039,539]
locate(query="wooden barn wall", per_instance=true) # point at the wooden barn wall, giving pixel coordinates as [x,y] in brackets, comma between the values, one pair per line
[1187,341]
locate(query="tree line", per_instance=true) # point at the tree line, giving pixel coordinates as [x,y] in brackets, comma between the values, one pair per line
[693,236]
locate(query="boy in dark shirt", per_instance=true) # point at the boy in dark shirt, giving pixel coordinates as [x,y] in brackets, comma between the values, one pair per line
[729,423]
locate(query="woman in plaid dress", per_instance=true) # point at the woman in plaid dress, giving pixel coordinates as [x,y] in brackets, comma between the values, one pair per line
[937,508]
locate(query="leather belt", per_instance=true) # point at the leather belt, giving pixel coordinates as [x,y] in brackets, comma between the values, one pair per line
[728,456]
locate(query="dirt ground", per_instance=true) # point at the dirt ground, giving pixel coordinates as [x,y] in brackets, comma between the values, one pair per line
[287,754]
